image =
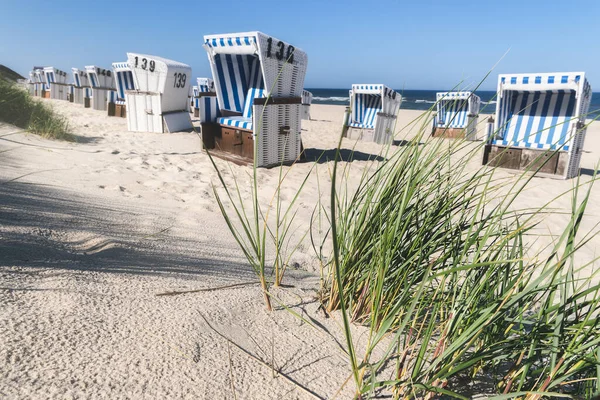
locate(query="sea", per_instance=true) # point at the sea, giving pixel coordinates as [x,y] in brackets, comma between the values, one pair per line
[424,99]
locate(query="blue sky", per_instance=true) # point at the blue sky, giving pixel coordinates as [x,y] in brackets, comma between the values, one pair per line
[423,44]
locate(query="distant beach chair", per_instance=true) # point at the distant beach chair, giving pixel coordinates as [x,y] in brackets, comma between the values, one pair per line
[56,83]
[81,92]
[102,83]
[39,79]
[159,102]
[540,123]
[373,112]
[457,115]
[306,102]
[259,81]
[117,104]
[32,84]
[205,87]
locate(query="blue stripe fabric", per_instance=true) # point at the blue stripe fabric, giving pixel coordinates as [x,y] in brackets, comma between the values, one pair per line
[365,109]
[235,74]
[453,113]
[231,41]
[236,122]
[208,108]
[539,120]
[124,82]
[252,94]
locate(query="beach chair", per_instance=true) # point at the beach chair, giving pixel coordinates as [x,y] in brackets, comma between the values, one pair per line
[81,91]
[457,115]
[117,105]
[306,102]
[257,110]
[102,83]
[32,84]
[56,83]
[159,102]
[540,123]
[40,82]
[205,87]
[373,111]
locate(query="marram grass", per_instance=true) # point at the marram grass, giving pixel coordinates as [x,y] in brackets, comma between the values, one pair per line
[18,108]
[435,260]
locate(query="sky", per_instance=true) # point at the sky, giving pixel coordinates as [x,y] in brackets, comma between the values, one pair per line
[423,44]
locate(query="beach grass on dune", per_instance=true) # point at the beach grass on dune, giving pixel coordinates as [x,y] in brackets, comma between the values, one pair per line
[436,261]
[19,108]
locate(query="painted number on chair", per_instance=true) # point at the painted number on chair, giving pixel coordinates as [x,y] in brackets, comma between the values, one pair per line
[180,79]
[280,51]
[145,64]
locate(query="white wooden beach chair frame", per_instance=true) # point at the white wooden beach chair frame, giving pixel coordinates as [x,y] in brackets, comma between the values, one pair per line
[306,102]
[256,115]
[373,112]
[456,115]
[102,83]
[159,102]
[540,123]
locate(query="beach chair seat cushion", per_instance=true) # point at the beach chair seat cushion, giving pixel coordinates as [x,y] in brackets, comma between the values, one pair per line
[236,122]
[362,125]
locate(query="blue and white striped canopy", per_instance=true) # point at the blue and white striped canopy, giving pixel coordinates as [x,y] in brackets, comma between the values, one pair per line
[540,111]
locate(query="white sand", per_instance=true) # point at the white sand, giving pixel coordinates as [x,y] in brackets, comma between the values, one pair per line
[91,232]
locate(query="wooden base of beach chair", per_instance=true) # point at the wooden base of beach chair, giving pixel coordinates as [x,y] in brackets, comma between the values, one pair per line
[45,94]
[229,143]
[111,109]
[548,162]
[87,102]
[366,135]
[196,113]
[450,133]
[71,98]
[120,110]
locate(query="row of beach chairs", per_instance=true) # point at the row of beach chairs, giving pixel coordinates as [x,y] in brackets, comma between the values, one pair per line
[252,106]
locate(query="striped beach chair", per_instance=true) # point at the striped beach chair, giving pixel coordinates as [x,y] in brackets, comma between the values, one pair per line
[205,87]
[540,123]
[306,102]
[258,80]
[56,83]
[373,111]
[81,92]
[40,82]
[102,83]
[457,115]
[159,102]
[117,104]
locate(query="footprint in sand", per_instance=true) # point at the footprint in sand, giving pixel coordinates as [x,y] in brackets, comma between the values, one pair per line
[115,152]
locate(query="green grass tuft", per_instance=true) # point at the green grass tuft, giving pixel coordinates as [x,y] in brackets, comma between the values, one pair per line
[18,108]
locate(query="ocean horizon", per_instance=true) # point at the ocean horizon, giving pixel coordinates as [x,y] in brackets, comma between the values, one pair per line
[425,99]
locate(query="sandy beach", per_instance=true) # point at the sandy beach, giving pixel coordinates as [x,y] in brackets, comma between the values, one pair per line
[91,232]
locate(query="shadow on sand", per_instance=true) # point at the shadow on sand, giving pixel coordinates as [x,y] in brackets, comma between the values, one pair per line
[45,227]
